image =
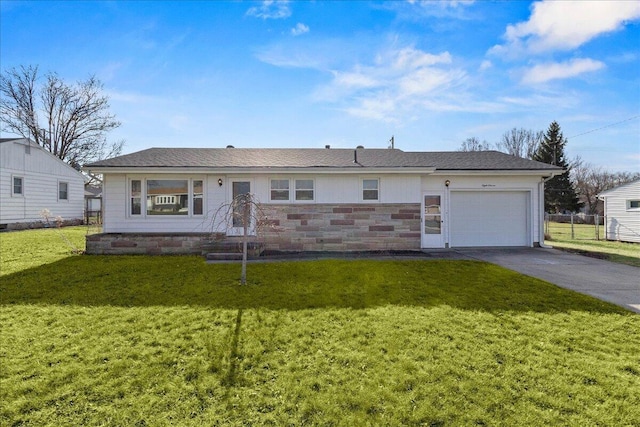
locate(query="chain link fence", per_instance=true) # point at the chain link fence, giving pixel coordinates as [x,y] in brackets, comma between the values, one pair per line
[574,227]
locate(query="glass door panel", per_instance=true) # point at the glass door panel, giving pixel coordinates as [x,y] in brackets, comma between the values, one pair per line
[432,215]
[240,188]
[432,221]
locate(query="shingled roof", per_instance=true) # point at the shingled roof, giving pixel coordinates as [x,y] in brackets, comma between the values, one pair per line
[260,158]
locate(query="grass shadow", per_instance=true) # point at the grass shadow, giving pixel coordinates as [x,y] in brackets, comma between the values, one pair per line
[230,378]
[188,281]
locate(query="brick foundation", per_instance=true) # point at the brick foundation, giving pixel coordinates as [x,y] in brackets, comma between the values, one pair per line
[313,227]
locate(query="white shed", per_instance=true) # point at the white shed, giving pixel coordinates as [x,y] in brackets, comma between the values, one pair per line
[622,212]
[31,180]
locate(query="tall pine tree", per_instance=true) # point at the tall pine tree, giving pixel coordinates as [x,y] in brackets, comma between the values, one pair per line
[559,193]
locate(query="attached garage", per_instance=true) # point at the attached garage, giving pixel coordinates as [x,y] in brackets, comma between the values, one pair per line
[489,218]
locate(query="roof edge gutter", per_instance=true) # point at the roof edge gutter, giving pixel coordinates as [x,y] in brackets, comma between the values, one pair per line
[310,170]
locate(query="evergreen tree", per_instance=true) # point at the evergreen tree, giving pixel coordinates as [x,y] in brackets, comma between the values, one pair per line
[559,192]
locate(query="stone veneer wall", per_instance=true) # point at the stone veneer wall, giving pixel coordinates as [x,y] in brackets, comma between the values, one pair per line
[146,243]
[312,227]
[350,227]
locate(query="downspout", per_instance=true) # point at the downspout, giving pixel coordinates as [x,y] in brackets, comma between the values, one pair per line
[541,212]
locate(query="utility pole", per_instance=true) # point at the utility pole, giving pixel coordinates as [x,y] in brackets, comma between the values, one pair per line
[392,142]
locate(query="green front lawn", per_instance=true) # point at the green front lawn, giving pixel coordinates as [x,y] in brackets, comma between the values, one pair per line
[135,340]
[31,248]
[584,242]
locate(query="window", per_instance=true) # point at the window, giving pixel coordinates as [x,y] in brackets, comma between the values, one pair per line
[167,197]
[18,186]
[136,197]
[279,189]
[633,204]
[304,189]
[197,197]
[370,189]
[63,191]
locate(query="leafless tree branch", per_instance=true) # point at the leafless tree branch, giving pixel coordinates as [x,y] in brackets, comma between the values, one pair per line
[70,121]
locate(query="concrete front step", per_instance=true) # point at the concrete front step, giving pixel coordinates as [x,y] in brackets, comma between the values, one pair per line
[234,246]
[223,256]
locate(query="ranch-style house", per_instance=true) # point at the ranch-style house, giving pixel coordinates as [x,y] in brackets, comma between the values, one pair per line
[162,200]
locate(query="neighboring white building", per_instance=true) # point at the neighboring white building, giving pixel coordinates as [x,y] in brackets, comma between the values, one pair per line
[324,199]
[31,180]
[622,212]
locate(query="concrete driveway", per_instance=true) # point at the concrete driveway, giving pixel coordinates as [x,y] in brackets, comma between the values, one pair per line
[608,281]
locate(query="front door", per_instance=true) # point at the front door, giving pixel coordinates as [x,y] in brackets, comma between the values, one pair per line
[432,221]
[238,214]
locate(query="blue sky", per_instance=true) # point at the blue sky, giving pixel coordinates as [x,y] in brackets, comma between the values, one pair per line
[307,74]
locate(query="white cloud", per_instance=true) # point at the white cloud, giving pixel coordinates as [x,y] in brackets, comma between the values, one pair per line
[410,58]
[455,9]
[299,29]
[355,79]
[542,73]
[485,65]
[565,25]
[271,9]
[396,83]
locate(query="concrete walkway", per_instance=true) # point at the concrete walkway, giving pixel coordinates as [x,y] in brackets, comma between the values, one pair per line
[608,281]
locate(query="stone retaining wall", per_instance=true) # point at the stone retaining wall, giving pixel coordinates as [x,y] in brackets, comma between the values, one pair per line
[312,227]
[146,243]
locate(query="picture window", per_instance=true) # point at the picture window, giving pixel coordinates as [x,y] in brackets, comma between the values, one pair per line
[167,197]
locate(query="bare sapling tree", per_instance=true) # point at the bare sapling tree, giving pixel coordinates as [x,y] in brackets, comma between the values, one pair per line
[243,212]
[45,214]
[70,121]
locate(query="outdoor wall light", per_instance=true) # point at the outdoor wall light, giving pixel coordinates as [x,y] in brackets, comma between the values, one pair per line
[447,182]
[220,182]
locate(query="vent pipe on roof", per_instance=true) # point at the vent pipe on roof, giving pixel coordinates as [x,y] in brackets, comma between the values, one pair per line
[360,147]
[355,156]
[230,146]
[327,146]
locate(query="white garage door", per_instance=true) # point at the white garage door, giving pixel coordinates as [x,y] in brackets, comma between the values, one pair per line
[489,218]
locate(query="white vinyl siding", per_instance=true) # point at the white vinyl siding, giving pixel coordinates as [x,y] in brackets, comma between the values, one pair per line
[622,217]
[40,172]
